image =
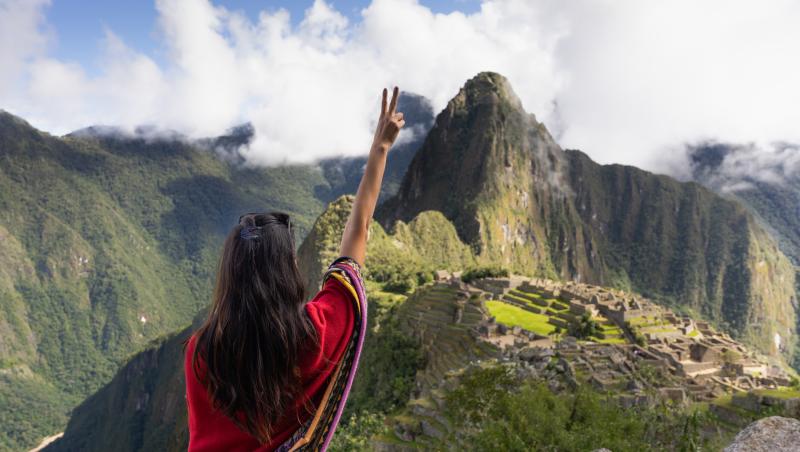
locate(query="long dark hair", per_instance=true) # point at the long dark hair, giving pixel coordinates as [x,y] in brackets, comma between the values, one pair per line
[253,335]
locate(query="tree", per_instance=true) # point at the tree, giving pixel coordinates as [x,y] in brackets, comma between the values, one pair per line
[583,327]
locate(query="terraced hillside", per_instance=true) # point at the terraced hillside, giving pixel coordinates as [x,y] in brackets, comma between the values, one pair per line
[544,314]
[444,318]
[640,355]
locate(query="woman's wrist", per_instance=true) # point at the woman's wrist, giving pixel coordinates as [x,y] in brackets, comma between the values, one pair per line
[380,148]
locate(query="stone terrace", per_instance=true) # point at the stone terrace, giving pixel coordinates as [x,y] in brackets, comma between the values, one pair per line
[706,362]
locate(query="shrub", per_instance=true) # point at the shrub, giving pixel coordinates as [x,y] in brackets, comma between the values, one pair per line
[583,327]
[484,272]
[491,409]
[400,285]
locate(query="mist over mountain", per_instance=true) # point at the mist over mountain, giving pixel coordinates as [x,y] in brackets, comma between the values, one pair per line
[767,181]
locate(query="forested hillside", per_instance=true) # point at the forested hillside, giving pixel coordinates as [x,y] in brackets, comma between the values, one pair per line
[108,241]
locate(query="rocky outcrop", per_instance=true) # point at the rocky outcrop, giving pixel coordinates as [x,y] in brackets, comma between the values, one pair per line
[771,434]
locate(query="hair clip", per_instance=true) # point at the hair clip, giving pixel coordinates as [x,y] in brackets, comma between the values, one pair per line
[249,232]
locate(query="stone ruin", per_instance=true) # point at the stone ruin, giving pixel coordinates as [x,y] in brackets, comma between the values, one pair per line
[701,362]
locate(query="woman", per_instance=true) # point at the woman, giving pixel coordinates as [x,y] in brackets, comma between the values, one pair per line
[268,370]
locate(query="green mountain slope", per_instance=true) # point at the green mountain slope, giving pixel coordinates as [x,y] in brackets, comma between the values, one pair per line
[107,242]
[685,244]
[768,184]
[522,202]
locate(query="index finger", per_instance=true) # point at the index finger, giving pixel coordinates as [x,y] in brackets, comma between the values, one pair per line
[393,105]
[383,103]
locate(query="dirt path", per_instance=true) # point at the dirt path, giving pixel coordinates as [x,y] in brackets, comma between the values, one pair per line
[45,442]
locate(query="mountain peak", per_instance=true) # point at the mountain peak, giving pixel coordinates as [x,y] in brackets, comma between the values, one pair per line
[487,87]
[482,154]
[8,120]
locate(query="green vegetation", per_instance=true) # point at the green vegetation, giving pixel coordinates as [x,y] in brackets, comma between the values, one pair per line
[492,410]
[583,327]
[390,363]
[355,433]
[730,356]
[781,393]
[106,244]
[610,340]
[484,272]
[513,316]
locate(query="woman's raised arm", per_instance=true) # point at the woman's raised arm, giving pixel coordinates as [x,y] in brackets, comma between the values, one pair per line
[354,238]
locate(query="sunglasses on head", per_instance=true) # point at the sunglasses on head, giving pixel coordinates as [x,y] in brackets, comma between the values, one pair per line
[283,219]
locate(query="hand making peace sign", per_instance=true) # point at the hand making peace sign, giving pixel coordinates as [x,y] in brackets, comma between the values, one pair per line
[389,123]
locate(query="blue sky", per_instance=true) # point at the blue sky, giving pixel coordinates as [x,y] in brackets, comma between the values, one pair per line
[78,25]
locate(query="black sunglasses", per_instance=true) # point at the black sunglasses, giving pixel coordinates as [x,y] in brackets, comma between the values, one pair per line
[286,220]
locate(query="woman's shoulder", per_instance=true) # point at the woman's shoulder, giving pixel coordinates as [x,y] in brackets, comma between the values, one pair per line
[338,283]
[333,294]
[345,262]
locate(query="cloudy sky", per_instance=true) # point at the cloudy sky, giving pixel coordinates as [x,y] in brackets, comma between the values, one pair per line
[627,81]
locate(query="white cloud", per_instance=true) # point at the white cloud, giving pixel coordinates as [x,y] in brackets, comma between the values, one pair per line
[740,166]
[22,36]
[647,75]
[632,79]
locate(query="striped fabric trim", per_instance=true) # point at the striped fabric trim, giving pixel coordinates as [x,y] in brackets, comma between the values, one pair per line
[317,435]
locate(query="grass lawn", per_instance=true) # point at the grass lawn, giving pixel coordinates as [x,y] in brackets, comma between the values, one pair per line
[651,329]
[513,316]
[780,393]
[610,340]
[613,329]
[519,299]
[521,293]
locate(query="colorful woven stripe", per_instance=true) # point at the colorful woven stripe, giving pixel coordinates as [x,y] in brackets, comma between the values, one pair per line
[317,435]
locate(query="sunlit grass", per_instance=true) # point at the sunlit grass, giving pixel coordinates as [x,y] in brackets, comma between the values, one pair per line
[513,316]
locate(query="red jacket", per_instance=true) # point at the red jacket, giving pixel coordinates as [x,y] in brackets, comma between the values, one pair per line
[332,313]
